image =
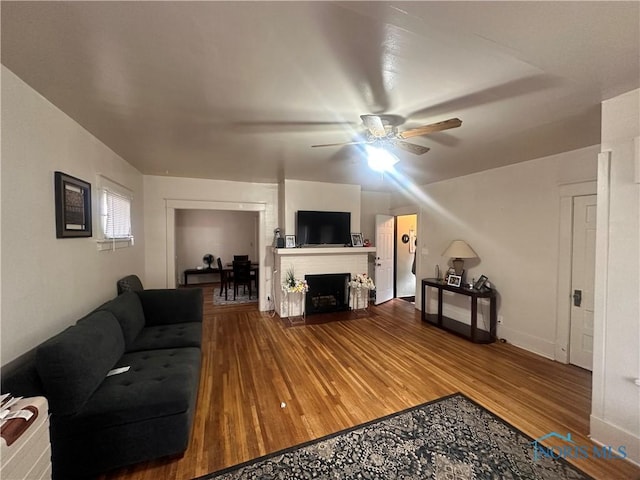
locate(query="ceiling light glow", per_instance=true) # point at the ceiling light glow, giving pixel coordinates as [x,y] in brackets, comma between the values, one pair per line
[380,160]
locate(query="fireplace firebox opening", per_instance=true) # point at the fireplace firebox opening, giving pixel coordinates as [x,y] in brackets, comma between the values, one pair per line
[327,293]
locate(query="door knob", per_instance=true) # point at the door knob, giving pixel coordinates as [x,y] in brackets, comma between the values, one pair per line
[577,298]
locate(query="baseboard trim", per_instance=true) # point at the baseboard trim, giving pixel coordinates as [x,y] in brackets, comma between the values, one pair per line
[537,345]
[604,433]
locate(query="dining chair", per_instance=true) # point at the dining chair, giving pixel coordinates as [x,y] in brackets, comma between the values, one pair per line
[241,276]
[225,278]
[240,258]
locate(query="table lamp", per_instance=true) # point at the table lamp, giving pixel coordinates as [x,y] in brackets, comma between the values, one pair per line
[458,250]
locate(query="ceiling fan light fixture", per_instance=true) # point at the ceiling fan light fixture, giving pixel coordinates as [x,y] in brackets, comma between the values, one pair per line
[379,159]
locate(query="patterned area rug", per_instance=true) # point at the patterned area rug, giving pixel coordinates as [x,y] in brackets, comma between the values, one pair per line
[449,438]
[240,298]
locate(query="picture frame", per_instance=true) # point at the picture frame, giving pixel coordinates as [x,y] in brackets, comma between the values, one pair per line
[454,280]
[73,206]
[356,240]
[480,283]
[290,241]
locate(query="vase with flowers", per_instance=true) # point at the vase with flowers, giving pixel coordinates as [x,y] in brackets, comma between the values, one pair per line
[294,289]
[361,284]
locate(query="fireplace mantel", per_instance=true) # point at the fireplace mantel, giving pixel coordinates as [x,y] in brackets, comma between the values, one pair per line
[324,250]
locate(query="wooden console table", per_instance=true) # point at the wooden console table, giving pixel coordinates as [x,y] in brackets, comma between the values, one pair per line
[471,332]
[198,271]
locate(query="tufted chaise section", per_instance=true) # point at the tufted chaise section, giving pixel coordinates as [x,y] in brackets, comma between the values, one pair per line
[100,421]
[145,413]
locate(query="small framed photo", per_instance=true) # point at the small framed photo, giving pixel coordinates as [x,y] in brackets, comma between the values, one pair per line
[290,241]
[454,280]
[480,282]
[356,240]
[73,206]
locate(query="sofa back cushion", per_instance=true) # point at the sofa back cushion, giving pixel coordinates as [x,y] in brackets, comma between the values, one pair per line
[170,306]
[74,363]
[127,309]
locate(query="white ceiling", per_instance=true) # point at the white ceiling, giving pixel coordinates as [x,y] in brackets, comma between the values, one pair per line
[240,90]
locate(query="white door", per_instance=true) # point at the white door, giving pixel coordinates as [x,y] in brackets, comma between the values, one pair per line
[582,281]
[384,258]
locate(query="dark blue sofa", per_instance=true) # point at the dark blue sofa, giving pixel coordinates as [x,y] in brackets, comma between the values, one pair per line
[101,422]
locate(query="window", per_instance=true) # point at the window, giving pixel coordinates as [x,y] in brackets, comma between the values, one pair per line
[115,215]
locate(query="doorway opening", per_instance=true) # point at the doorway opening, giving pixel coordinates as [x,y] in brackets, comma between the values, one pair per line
[221,233]
[259,208]
[405,257]
[396,262]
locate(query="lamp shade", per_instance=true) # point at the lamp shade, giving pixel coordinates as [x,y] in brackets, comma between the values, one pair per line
[459,249]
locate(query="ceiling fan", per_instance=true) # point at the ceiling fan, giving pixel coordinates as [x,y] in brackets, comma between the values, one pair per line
[382,130]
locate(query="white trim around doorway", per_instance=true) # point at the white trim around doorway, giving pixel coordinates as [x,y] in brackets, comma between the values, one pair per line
[563,304]
[172,205]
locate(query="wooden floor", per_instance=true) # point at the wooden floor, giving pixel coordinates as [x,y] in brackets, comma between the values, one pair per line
[337,375]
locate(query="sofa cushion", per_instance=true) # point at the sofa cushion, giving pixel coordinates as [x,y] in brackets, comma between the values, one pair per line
[165,307]
[158,383]
[127,309]
[75,362]
[168,336]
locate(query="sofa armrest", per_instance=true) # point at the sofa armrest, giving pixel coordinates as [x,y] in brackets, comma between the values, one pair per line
[20,377]
[166,306]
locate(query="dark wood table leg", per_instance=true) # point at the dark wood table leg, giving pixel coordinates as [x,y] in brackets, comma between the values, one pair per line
[474,317]
[424,294]
[440,293]
[493,321]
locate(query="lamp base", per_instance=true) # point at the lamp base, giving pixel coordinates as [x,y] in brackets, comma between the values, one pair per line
[458,266]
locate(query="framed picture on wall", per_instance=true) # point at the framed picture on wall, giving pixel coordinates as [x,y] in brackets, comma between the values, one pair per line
[290,241]
[356,240]
[73,206]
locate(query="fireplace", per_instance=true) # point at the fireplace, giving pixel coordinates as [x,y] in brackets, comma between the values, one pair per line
[327,293]
[306,262]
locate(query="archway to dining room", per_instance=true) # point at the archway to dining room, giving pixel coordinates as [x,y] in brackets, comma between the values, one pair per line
[179,212]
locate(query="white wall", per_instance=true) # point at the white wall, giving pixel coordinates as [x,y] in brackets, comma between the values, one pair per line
[218,232]
[372,204]
[510,217]
[330,197]
[48,282]
[214,195]
[615,418]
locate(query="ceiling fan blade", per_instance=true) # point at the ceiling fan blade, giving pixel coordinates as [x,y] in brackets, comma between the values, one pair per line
[411,147]
[374,124]
[340,144]
[434,127]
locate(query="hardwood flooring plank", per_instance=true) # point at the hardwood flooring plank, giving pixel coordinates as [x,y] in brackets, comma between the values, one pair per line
[340,374]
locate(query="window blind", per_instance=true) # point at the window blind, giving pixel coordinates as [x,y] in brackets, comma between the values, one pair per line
[116,215]
[115,202]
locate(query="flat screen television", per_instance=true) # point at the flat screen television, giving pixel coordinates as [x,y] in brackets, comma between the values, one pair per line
[323,228]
